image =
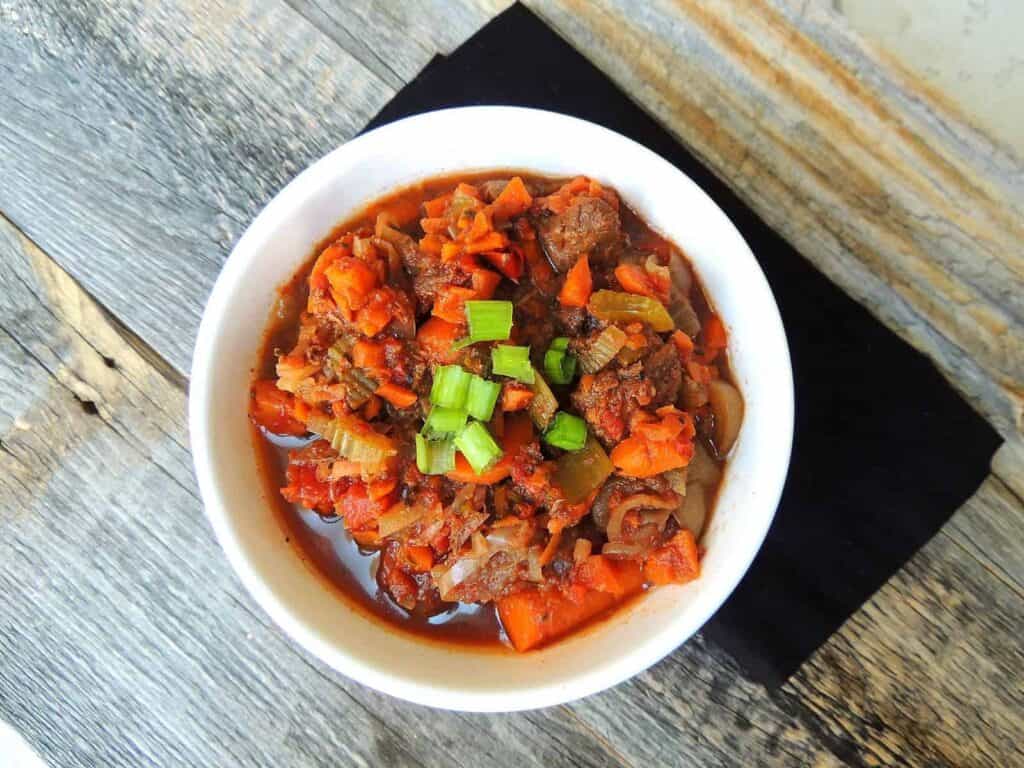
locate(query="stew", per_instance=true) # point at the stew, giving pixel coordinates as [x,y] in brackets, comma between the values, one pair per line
[494,409]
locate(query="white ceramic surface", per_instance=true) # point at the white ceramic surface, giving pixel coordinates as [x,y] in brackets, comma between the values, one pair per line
[281,238]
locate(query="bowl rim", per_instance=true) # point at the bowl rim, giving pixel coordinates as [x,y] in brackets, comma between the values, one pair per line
[275,214]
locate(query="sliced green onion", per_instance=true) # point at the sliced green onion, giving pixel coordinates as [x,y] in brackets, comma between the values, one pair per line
[581,473]
[482,397]
[442,422]
[560,343]
[489,320]
[507,360]
[477,445]
[451,383]
[559,365]
[434,457]
[544,404]
[567,432]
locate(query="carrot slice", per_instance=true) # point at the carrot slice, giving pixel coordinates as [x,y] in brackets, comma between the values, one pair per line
[485,283]
[420,558]
[397,395]
[436,336]
[634,279]
[492,241]
[481,226]
[434,225]
[435,208]
[450,303]
[513,200]
[517,433]
[684,344]
[368,354]
[578,285]
[675,563]
[274,409]
[534,617]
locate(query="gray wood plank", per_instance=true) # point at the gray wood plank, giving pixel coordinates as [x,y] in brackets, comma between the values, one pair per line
[124,638]
[928,671]
[138,139]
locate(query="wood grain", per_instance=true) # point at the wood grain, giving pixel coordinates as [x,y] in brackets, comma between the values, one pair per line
[138,139]
[890,192]
[131,641]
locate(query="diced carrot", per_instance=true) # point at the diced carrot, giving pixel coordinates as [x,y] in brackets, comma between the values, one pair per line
[432,244]
[375,316]
[436,337]
[677,562]
[450,303]
[684,344]
[434,226]
[513,200]
[485,283]
[578,285]
[639,457]
[701,373]
[435,208]
[509,263]
[518,432]
[351,281]
[378,489]
[599,572]
[481,226]
[372,407]
[420,558]
[367,539]
[368,354]
[328,256]
[541,271]
[450,251]
[274,410]
[534,617]
[635,279]
[636,341]
[492,241]
[359,510]
[302,410]
[397,395]
[515,397]
[714,338]
[669,427]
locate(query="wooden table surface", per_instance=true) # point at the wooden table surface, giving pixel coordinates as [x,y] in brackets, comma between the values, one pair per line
[137,140]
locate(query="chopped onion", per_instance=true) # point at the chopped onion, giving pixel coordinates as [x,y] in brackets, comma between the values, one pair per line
[727,405]
[581,550]
[596,354]
[637,501]
[509,537]
[461,570]
[693,512]
[677,478]
[480,547]
[657,519]
[618,549]
[363,249]
[702,469]
[535,572]
[398,517]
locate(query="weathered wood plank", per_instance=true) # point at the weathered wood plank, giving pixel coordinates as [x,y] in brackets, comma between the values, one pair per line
[928,671]
[139,139]
[893,195]
[126,639]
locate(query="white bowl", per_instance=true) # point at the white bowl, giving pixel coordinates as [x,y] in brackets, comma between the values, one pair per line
[281,239]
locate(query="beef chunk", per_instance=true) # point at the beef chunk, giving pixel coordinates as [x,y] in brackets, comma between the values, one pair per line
[607,399]
[590,225]
[664,370]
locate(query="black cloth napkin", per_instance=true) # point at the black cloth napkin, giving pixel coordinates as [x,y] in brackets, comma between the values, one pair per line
[885,451]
